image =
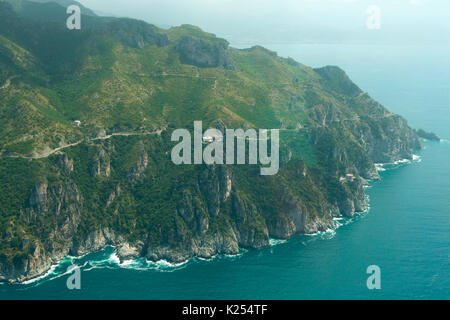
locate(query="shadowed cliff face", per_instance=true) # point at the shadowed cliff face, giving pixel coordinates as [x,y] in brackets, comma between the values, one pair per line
[69,189]
[202,54]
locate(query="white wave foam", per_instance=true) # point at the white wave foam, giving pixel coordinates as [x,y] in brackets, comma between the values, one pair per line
[112,259]
[402,161]
[45,275]
[416,158]
[234,256]
[166,264]
[275,242]
[380,167]
[327,234]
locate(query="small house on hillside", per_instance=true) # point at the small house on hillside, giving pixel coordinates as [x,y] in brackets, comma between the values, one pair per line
[350,177]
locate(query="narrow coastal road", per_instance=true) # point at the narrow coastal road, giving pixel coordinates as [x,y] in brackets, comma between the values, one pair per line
[106,137]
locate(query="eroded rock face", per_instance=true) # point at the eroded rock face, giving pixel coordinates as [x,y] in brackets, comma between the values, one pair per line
[95,241]
[101,166]
[294,218]
[136,172]
[126,251]
[248,236]
[215,184]
[64,204]
[65,164]
[204,54]
[114,195]
[62,201]
[391,141]
[135,34]
[193,213]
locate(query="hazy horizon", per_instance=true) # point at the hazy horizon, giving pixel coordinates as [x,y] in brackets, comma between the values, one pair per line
[289,21]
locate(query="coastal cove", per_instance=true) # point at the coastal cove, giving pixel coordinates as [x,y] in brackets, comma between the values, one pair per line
[306,267]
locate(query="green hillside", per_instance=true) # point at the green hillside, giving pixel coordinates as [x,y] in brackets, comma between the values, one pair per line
[67,189]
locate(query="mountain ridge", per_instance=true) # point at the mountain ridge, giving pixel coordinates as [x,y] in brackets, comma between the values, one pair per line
[122,76]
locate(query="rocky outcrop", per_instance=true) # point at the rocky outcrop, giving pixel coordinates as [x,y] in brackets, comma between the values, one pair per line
[262,49]
[248,236]
[295,218]
[428,135]
[63,201]
[205,247]
[95,241]
[126,251]
[204,54]
[215,184]
[136,172]
[133,33]
[193,213]
[63,204]
[65,164]
[101,166]
[389,140]
[37,263]
[113,196]
[336,79]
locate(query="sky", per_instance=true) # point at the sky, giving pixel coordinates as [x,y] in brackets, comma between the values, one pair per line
[294,21]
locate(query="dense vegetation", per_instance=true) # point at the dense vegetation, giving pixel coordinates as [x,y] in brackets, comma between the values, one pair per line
[126,76]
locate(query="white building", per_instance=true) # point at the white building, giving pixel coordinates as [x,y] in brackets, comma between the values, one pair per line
[350,177]
[77,123]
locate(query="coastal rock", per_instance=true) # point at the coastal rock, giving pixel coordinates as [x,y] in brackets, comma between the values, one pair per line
[247,235]
[215,184]
[193,213]
[427,135]
[95,241]
[126,251]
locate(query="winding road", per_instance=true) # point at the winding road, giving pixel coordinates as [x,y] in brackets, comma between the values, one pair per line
[106,137]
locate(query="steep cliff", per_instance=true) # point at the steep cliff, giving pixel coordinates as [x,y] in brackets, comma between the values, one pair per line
[69,189]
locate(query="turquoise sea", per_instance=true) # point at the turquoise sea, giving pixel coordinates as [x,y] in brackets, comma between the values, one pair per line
[406,231]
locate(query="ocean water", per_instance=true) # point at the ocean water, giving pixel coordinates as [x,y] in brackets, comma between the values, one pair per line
[406,231]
